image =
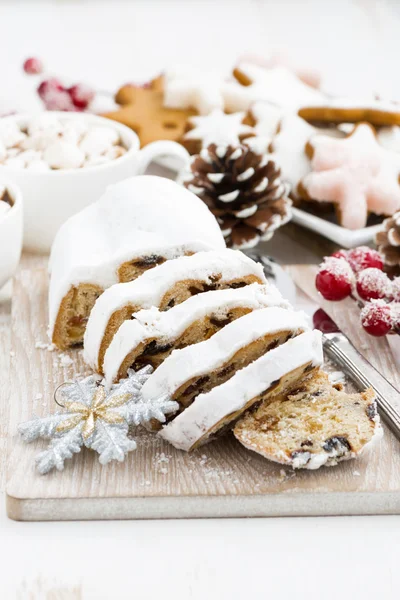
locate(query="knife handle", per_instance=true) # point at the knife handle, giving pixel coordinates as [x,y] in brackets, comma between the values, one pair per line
[360,370]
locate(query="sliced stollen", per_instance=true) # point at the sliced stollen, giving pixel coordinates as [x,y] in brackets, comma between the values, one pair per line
[195,370]
[164,286]
[137,224]
[277,371]
[152,334]
[314,425]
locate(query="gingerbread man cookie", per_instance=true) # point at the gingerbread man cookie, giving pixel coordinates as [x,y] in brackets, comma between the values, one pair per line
[347,110]
[215,128]
[355,173]
[278,86]
[142,110]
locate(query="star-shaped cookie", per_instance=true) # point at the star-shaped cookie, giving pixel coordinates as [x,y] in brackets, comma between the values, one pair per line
[355,173]
[278,86]
[189,88]
[216,128]
[143,111]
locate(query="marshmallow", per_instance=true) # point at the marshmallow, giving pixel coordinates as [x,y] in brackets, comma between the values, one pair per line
[38,165]
[15,163]
[3,155]
[63,155]
[45,123]
[98,140]
[10,134]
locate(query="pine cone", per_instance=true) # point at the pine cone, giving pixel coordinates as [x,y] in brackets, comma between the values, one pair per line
[388,242]
[243,190]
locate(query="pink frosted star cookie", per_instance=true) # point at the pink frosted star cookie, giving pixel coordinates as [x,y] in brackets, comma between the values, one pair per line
[355,173]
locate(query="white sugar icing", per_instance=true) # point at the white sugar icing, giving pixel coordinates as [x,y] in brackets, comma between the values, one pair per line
[169,325]
[267,118]
[190,88]
[200,359]
[149,289]
[136,217]
[278,86]
[218,128]
[389,138]
[210,408]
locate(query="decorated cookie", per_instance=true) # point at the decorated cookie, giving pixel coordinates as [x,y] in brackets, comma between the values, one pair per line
[142,109]
[347,110]
[278,86]
[186,88]
[215,128]
[355,173]
[308,75]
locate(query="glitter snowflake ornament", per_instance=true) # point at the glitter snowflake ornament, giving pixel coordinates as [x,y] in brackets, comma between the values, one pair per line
[95,418]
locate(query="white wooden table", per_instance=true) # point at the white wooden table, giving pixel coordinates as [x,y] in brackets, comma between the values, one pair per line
[106,44]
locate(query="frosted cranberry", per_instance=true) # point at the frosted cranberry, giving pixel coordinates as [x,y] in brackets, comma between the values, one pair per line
[335,279]
[323,322]
[49,86]
[376,318]
[396,289]
[373,284]
[363,258]
[340,254]
[81,95]
[395,310]
[33,66]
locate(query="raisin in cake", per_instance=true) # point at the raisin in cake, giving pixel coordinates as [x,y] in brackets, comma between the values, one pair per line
[195,370]
[277,371]
[164,286]
[152,334]
[137,224]
[316,424]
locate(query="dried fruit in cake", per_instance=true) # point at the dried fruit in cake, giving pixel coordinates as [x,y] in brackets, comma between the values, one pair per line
[142,109]
[277,371]
[315,425]
[216,128]
[199,368]
[151,335]
[348,110]
[130,229]
[165,286]
[388,242]
[243,190]
[355,173]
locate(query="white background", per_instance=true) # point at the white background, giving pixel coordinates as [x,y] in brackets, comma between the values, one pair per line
[105,44]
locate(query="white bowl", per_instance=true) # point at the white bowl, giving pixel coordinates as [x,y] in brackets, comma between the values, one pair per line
[51,197]
[11,228]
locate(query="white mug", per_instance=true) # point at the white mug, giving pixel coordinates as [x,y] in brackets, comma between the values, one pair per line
[11,226]
[51,197]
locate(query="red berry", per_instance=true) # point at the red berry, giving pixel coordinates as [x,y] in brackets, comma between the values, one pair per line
[49,86]
[55,96]
[373,284]
[396,289]
[395,309]
[363,258]
[340,254]
[335,279]
[376,318]
[81,95]
[323,322]
[33,66]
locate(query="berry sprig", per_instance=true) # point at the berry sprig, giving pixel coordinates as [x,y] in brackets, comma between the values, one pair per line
[57,96]
[358,274]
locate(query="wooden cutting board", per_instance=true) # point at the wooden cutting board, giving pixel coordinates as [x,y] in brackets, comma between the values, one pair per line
[222,479]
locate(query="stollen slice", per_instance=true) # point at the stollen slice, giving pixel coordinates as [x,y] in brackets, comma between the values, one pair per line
[277,371]
[317,424]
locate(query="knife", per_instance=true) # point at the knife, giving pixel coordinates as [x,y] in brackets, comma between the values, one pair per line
[341,351]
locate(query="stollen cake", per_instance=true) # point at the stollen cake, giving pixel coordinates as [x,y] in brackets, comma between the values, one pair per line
[316,424]
[152,334]
[137,224]
[195,370]
[164,286]
[277,371]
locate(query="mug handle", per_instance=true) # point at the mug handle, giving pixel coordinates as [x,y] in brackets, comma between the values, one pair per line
[162,148]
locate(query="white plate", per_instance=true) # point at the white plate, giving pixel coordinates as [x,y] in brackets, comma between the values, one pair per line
[346,238]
